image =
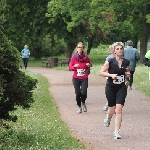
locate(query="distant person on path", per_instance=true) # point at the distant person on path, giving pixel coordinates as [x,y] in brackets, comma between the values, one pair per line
[115,69]
[111,49]
[133,56]
[25,55]
[80,64]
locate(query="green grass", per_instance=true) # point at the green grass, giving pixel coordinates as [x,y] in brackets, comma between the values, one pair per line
[40,127]
[141,79]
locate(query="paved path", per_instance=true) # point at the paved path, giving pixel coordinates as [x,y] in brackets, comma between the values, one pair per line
[88,127]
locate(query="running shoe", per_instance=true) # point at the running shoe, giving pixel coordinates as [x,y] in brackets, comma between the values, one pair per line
[84,107]
[117,135]
[107,122]
[79,110]
[130,87]
[127,83]
[105,108]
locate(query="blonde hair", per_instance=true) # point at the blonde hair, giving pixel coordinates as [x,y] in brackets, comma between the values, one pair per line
[118,43]
[111,46]
[26,46]
[81,44]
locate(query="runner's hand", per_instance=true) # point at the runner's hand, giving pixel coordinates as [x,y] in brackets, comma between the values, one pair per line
[114,76]
[87,64]
[76,65]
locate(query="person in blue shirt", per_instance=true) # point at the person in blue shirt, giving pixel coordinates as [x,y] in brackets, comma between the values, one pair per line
[25,55]
[133,56]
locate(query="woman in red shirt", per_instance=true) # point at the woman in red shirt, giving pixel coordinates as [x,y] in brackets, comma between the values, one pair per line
[80,64]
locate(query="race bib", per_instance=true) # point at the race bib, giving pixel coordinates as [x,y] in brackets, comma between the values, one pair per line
[119,80]
[80,72]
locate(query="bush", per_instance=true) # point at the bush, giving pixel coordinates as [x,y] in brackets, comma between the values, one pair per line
[15,87]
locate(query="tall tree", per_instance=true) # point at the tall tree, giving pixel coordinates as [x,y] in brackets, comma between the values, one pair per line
[135,13]
[80,20]
[26,23]
[15,87]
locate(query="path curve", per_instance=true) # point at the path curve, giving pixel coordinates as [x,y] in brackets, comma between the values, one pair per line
[88,127]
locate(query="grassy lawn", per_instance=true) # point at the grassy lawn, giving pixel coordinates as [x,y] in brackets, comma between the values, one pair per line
[141,79]
[40,127]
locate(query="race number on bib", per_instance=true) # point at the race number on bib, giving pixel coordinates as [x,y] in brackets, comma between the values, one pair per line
[119,80]
[80,72]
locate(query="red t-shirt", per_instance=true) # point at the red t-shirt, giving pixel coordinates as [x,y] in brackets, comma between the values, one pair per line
[80,72]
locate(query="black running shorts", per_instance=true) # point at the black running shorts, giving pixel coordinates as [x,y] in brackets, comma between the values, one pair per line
[115,94]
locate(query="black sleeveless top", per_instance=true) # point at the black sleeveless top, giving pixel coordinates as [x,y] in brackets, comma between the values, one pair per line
[114,69]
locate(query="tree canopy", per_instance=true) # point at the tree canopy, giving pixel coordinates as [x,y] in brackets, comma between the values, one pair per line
[93,22]
[26,24]
[108,20]
[81,20]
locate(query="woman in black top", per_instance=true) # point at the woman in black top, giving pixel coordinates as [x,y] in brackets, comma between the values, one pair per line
[116,69]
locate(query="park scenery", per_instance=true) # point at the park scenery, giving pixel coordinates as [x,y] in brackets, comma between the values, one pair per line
[37,102]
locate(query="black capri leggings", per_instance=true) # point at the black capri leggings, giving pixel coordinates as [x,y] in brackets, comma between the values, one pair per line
[25,62]
[80,86]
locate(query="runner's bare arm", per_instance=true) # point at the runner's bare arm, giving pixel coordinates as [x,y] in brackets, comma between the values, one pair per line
[104,73]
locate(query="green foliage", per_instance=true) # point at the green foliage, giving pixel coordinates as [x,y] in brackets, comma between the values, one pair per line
[40,127]
[53,46]
[148,18]
[20,89]
[131,22]
[81,21]
[2,8]
[26,24]
[141,80]
[15,87]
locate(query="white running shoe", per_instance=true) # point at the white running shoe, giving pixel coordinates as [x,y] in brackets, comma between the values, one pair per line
[117,135]
[107,122]
[126,83]
[79,110]
[105,108]
[130,87]
[84,108]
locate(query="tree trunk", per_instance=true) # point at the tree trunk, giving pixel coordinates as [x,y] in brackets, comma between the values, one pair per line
[135,41]
[37,53]
[70,49]
[90,45]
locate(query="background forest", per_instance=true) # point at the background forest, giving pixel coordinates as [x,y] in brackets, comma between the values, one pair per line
[53,27]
